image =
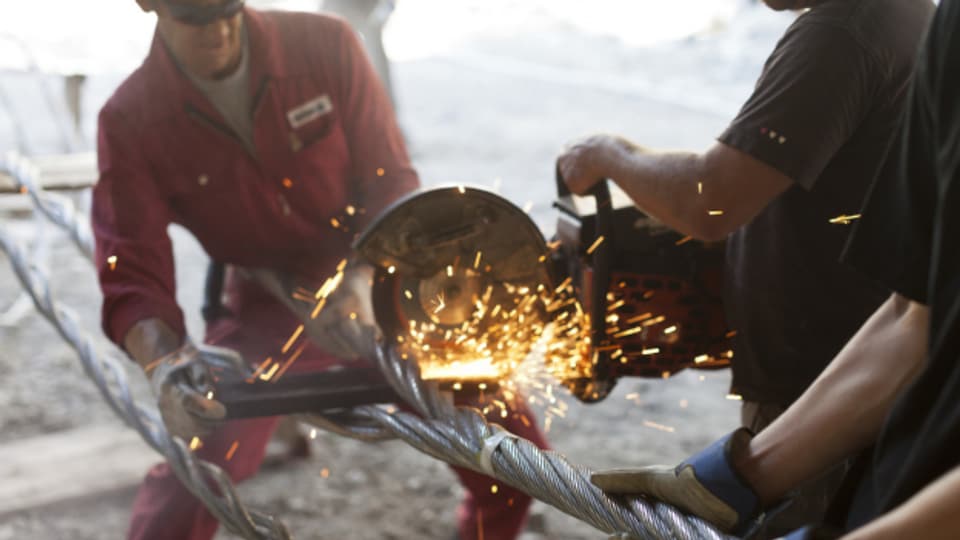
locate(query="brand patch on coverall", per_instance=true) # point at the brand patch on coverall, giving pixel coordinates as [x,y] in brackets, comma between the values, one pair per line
[309,111]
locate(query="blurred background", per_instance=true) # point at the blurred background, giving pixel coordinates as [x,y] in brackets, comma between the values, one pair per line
[701,53]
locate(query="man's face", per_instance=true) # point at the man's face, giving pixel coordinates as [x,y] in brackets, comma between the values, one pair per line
[206,42]
[781,5]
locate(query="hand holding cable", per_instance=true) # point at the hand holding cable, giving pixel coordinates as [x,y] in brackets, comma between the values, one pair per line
[342,322]
[706,484]
[182,381]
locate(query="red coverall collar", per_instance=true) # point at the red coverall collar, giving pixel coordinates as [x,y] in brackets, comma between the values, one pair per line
[266,62]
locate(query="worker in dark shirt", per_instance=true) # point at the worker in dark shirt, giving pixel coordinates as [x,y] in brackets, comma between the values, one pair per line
[892,393]
[801,153]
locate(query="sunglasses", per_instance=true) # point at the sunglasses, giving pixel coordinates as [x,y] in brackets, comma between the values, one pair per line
[203,15]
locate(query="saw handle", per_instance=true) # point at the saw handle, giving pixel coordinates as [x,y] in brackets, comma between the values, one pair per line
[600,261]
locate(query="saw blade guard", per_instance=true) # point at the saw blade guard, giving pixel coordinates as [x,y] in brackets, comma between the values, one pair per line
[460,272]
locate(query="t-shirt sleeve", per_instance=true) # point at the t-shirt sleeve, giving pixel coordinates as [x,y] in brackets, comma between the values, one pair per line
[814,91]
[893,240]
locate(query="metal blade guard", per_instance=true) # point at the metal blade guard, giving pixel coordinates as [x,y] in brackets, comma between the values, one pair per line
[459,271]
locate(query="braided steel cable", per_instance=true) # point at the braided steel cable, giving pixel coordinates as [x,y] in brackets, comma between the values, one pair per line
[206,481]
[457,435]
[462,436]
[56,208]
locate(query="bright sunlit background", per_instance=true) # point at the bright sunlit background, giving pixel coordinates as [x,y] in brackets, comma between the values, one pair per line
[106,35]
[702,54]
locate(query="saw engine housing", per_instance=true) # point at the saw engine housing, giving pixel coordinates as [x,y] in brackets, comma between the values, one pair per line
[654,296]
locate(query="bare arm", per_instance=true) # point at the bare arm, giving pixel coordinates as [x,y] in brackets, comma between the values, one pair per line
[705,195]
[843,411]
[149,340]
[931,513]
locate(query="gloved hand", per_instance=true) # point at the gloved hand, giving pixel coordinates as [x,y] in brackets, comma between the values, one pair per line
[345,326]
[182,381]
[705,485]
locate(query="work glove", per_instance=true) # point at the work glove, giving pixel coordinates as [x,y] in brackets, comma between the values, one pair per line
[705,485]
[182,381]
[345,325]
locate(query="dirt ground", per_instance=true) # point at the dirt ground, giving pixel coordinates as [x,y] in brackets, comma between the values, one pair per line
[467,121]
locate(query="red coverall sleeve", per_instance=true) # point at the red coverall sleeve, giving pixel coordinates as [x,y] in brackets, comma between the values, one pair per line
[381,166]
[134,255]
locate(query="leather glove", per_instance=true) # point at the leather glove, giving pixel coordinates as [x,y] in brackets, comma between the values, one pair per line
[345,326]
[705,485]
[182,381]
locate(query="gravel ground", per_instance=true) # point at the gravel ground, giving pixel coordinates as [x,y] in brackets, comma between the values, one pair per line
[467,121]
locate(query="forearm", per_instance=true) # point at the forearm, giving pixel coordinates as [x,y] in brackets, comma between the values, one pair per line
[149,340]
[932,513]
[704,195]
[843,411]
[669,187]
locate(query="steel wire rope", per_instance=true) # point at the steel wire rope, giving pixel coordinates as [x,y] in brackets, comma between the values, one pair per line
[457,435]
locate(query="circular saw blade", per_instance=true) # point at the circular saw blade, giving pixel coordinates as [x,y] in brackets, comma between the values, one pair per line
[450,297]
[454,268]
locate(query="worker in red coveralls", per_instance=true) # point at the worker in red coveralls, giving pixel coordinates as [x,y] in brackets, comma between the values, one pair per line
[252,130]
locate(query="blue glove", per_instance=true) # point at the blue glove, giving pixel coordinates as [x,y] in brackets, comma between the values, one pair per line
[705,485]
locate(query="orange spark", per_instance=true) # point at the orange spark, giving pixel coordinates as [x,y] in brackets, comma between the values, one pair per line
[232,450]
[593,247]
[630,332]
[260,369]
[269,374]
[293,358]
[293,338]
[844,219]
[640,318]
[661,427]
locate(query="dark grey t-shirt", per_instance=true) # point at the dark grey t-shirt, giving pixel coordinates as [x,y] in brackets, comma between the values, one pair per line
[824,113]
[909,239]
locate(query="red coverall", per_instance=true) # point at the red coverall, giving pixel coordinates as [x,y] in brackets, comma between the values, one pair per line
[325,138]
